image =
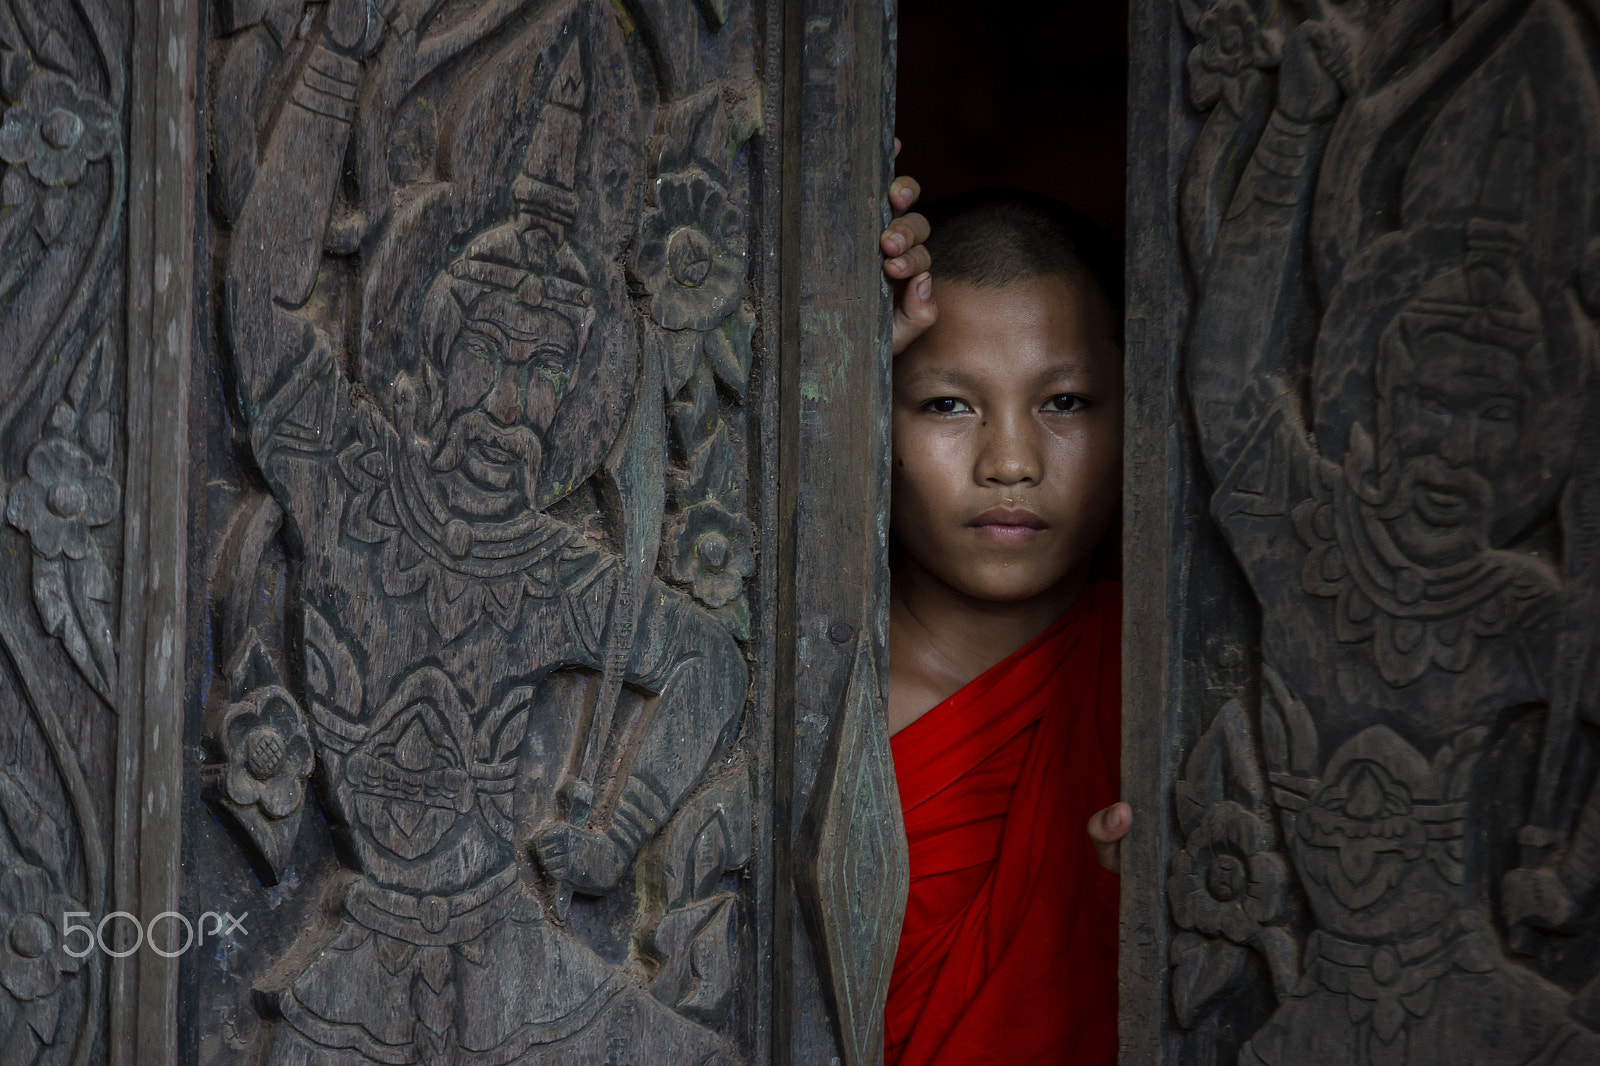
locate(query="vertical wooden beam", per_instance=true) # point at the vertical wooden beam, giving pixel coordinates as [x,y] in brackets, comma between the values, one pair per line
[161,279]
[1157,304]
[839,811]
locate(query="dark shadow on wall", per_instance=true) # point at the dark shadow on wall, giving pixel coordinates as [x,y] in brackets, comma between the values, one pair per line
[1033,95]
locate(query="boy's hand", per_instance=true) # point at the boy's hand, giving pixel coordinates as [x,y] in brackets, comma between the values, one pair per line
[1106,830]
[906,262]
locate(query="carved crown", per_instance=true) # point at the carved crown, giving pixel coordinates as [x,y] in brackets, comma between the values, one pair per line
[530,255]
[1486,298]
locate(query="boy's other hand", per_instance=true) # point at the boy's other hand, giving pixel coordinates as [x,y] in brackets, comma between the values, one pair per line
[1106,830]
[906,262]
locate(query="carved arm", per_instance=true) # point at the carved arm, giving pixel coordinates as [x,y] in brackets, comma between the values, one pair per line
[701,677]
[276,250]
[1239,362]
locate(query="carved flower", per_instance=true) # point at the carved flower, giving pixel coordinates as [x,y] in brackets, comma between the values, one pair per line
[1227,881]
[55,131]
[712,553]
[692,255]
[1231,45]
[61,499]
[33,953]
[269,754]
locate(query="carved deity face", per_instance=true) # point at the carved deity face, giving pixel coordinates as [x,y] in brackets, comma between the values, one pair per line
[1007,427]
[505,375]
[1452,427]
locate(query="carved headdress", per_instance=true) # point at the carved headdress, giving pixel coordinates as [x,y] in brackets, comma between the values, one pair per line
[1485,299]
[526,263]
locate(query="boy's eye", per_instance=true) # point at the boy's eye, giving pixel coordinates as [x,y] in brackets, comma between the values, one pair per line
[946,405]
[1066,404]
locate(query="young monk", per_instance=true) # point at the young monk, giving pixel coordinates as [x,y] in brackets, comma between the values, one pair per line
[1004,658]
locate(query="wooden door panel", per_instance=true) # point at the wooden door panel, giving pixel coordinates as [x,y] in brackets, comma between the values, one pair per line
[400,467]
[1362,553]
[485,315]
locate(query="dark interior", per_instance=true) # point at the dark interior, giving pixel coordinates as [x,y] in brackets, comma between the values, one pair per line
[1035,98]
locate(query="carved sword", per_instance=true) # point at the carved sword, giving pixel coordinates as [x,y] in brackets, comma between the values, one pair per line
[637,468]
[1577,657]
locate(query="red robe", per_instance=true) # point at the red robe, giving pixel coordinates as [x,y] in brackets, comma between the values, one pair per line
[1009,949]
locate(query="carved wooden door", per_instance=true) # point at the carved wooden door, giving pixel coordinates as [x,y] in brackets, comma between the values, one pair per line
[1362,555]
[443,453]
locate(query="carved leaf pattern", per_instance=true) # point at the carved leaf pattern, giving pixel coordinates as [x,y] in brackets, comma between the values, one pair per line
[856,894]
[34,961]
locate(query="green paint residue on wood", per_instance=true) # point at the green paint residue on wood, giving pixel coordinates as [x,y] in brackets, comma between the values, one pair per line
[821,380]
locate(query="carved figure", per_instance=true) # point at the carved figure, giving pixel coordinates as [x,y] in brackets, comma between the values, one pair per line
[443,607]
[1389,400]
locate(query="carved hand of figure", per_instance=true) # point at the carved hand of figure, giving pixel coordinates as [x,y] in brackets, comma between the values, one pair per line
[590,862]
[356,27]
[907,263]
[1316,72]
[1106,829]
[1538,898]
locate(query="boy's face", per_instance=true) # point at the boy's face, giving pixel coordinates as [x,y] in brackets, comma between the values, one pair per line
[1007,438]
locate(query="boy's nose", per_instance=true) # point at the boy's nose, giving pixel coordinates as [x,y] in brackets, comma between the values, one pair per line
[1008,457]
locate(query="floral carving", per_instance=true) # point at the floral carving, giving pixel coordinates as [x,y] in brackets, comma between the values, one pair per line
[61,499]
[1228,888]
[692,256]
[712,553]
[63,503]
[1232,46]
[1227,881]
[33,955]
[55,131]
[259,783]
[269,754]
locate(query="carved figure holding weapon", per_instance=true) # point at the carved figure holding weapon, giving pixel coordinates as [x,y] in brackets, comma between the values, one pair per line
[444,610]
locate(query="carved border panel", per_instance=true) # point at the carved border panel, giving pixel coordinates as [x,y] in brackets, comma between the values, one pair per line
[95,312]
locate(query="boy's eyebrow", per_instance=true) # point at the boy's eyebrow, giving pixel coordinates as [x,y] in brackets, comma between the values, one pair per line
[939,375]
[1074,371]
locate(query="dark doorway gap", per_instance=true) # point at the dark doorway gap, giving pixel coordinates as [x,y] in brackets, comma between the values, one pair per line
[1035,97]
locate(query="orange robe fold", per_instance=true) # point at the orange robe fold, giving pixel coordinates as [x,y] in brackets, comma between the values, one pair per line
[1008,953]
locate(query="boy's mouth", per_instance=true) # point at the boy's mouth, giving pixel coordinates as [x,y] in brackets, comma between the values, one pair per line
[1008,525]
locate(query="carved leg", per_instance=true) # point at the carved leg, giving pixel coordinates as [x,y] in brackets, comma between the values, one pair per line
[1550,897]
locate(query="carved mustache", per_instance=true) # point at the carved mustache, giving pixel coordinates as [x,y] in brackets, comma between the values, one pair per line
[1430,473]
[520,443]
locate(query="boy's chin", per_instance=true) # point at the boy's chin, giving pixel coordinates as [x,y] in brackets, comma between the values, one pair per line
[1008,586]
